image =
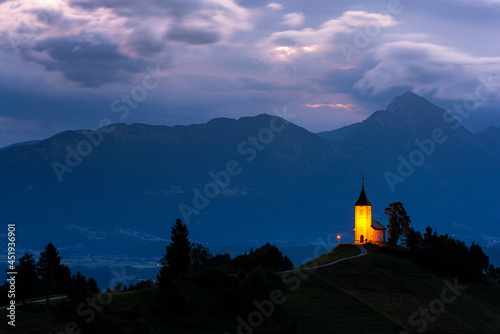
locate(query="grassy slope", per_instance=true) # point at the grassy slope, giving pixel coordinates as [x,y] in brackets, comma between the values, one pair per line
[375,293]
[340,252]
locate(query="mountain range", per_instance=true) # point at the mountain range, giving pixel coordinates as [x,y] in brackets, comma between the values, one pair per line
[118,190]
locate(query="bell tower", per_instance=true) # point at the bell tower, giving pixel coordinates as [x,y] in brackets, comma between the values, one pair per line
[362,217]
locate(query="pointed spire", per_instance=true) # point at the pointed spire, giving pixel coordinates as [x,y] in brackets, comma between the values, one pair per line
[363,199]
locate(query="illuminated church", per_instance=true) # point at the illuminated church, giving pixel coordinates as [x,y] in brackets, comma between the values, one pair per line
[366,229]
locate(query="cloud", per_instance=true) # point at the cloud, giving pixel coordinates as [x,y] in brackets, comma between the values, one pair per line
[275,6]
[93,42]
[231,58]
[89,63]
[483,1]
[131,8]
[293,19]
[192,36]
[142,42]
[293,44]
[138,28]
[344,24]
[427,68]
[335,106]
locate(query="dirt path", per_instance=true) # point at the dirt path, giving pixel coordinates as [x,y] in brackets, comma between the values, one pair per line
[361,248]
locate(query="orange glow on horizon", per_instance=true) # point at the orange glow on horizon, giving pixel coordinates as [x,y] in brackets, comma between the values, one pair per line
[338,105]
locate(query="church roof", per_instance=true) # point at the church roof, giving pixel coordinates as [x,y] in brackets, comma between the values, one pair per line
[363,200]
[377,226]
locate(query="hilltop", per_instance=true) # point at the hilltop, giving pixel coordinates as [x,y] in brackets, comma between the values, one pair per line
[375,293]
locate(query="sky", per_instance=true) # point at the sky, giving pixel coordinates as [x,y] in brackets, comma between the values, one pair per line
[77,64]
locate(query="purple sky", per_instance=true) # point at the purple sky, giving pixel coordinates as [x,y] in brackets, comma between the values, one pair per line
[68,64]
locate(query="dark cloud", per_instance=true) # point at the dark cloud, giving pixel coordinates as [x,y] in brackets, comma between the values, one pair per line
[47,16]
[57,19]
[95,4]
[89,63]
[192,36]
[143,43]
[187,16]
[132,8]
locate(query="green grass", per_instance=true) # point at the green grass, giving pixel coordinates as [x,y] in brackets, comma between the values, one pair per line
[376,293]
[340,252]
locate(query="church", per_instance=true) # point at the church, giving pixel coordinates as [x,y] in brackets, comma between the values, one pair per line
[366,229]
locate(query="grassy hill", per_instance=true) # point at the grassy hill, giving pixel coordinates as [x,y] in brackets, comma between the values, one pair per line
[376,293]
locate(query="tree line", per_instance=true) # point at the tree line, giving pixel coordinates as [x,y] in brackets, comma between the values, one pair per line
[239,281]
[440,254]
[48,276]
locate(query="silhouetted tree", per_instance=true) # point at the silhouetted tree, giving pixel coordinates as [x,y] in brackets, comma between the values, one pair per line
[79,290]
[399,223]
[287,264]
[199,257]
[493,272]
[145,284]
[177,258]
[93,287]
[446,256]
[415,241]
[49,270]
[268,256]
[170,296]
[62,282]
[478,261]
[4,291]
[429,238]
[27,280]
[118,288]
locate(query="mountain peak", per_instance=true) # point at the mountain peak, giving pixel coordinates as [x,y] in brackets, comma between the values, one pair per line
[409,101]
[409,93]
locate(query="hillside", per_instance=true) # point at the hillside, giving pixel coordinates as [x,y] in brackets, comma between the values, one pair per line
[376,293]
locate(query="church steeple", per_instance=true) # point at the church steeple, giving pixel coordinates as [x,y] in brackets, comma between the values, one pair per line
[363,199]
[365,229]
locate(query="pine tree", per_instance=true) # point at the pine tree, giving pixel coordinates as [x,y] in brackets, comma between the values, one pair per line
[49,269]
[175,263]
[27,278]
[177,258]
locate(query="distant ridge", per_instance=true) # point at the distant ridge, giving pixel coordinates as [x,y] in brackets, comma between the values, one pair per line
[287,186]
[30,142]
